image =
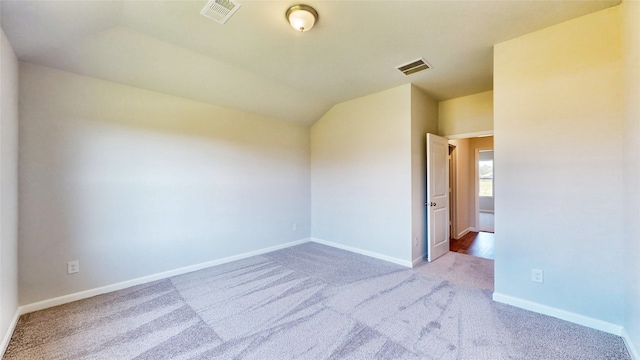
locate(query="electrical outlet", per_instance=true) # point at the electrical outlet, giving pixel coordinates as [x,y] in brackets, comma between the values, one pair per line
[294,227]
[537,275]
[73,267]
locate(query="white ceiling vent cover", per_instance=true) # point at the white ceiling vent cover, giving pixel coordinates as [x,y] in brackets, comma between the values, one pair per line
[414,66]
[220,10]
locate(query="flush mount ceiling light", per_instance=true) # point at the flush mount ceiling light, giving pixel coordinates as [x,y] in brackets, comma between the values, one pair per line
[302,17]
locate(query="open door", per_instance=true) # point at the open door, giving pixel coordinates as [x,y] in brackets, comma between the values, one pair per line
[437,196]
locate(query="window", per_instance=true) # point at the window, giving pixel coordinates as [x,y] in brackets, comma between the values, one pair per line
[485,173]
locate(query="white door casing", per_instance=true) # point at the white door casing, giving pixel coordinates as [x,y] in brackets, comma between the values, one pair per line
[437,196]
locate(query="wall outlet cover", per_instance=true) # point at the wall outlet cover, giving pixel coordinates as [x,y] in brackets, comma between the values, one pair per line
[537,275]
[73,267]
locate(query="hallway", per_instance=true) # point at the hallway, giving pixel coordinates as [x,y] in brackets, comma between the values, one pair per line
[480,244]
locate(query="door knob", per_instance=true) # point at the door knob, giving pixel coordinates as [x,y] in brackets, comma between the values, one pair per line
[429,204]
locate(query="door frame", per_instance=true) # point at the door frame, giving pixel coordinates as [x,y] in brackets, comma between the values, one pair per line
[453,188]
[476,177]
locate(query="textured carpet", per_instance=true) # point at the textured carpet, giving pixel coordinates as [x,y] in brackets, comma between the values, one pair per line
[309,302]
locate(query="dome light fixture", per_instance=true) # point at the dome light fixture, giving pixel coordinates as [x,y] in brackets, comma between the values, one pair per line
[302,17]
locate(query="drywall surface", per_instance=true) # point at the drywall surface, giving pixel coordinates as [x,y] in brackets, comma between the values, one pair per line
[8,187]
[486,204]
[133,182]
[424,119]
[361,174]
[558,158]
[631,46]
[464,221]
[481,143]
[466,115]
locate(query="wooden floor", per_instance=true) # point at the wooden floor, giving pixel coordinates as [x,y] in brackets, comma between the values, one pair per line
[478,244]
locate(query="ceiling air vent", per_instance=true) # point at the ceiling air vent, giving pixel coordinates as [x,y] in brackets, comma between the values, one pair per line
[220,10]
[414,67]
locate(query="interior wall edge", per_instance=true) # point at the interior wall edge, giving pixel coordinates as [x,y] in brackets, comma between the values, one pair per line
[418,260]
[9,162]
[9,333]
[635,354]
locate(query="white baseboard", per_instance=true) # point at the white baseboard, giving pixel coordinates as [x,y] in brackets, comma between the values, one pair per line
[486,211]
[463,233]
[145,279]
[372,254]
[418,260]
[560,314]
[7,336]
[635,355]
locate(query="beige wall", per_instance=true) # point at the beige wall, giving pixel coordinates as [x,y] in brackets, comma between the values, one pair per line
[8,190]
[481,143]
[361,175]
[133,182]
[631,48]
[558,157]
[466,116]
[424,119]
[368,163]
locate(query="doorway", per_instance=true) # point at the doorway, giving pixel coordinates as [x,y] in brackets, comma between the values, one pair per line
[485,189]
[471,196]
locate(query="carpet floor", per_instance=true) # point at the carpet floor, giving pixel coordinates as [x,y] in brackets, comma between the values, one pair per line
[309,302]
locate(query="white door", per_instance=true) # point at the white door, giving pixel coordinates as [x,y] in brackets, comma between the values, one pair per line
[437,196]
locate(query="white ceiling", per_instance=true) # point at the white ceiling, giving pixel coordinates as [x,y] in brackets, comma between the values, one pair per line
[257,63]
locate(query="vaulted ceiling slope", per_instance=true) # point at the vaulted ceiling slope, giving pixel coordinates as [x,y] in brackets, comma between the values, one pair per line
[257,63]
